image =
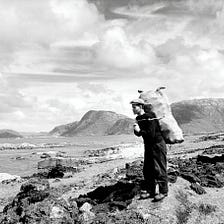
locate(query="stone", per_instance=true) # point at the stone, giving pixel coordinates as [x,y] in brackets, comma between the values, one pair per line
[86,218]
[37,203]
[214,158]
[86,207]
[56,212]
[197,188]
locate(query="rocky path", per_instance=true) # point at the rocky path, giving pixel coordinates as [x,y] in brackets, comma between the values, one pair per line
[98,194]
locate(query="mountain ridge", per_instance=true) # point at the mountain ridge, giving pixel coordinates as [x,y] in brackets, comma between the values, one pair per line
[194,116]
[8,133]
[92,123]
[200,115]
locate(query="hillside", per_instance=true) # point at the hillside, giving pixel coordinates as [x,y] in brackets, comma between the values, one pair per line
[122,126]
[200,115]
[92,123]
[194,116]
[59,130]
[6,133]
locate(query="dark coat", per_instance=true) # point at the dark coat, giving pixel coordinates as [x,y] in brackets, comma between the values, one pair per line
[149,129]
[155,161]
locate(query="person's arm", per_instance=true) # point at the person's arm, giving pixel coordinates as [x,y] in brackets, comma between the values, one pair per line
[137,133]
[136,130]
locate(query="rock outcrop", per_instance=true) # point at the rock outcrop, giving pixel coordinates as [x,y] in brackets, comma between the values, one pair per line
[37,203]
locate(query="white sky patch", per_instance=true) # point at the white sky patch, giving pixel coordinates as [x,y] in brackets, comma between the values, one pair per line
[19,115]
[115,49]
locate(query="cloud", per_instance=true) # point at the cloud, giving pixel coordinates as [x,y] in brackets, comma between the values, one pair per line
[58,54]
[11,99]
[95,88]
[47,21]
[115,49]
[137,11]
[207,7]
[32,32]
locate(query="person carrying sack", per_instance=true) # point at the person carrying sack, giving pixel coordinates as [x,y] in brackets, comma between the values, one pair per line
[155,154]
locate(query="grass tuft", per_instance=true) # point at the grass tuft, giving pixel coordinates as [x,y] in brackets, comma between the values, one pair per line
[188,212]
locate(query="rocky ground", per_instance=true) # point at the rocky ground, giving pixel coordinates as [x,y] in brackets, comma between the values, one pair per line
[108,191]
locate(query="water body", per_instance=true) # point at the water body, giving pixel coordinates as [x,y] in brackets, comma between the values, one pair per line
[23,162]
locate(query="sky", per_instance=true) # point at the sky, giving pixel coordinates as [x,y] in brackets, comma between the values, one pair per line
[62,58]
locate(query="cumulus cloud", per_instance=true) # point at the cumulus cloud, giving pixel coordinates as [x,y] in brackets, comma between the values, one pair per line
[116,49]
[32,32]
[44,22]
[10,97]
[58,54]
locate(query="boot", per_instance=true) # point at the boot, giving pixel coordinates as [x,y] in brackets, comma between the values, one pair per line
[159,197]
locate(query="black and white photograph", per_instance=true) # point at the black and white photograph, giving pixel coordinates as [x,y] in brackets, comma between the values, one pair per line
[111,111]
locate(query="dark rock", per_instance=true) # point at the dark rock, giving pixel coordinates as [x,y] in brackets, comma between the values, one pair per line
[172,175]
[117,196]
[197,188]
[102,152]
[203,173]
[214,149]
[134,170]
[190,177]
[35,190]
[119,205]
[209,137]
[56,172]
[58,167]
[37,203]
[211,158]
[45,155]
[20,158]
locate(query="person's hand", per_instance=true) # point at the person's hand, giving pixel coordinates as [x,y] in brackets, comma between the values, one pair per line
[136,127]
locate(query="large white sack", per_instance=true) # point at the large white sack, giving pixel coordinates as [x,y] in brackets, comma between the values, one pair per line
[159,104]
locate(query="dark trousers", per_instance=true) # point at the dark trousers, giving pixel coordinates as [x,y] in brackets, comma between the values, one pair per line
[155,167]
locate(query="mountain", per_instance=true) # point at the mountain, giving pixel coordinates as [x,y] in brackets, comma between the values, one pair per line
[92,123]
[122,126]
[193,116]
[59,130]
[200,115]
[6,133]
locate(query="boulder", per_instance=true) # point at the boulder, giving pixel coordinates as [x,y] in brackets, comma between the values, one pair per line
[86,217]
[51,162]
[214,158]
[37,203]
[197,188]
